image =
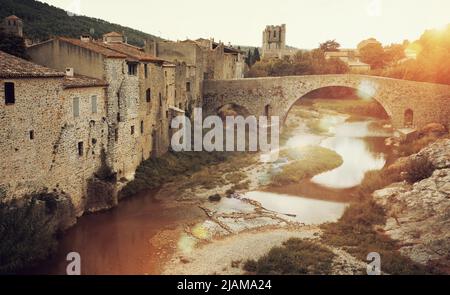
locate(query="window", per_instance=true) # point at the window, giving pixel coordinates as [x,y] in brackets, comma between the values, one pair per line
[94,141]
[132,130]
[142,127]
[146,70]
[10,95]
[94,104]
[167,114]
[118,117]
[116,135]
[188,86]
[76,107]
[80,149]
[31,134]
[148,95]
[132,69]
[160,100]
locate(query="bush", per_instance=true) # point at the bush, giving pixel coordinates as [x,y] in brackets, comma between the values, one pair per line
[419,169]
[27,233]
[356,234]
[295,257]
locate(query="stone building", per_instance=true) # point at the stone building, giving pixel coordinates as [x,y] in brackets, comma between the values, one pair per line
[53,130]
[12,25]
[137,102]
[274,43]
[205,59]
[351,58]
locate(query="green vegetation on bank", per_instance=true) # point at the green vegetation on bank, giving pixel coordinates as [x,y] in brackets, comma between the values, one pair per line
[41,21]
[27,231]
[306,162]
[302,63]
[199,167]
[354,107]
[359,230]
[295,257]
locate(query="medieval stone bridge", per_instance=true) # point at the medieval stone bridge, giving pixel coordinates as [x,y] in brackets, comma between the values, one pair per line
[408,103]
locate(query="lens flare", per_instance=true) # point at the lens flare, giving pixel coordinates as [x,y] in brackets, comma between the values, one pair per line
[367,90]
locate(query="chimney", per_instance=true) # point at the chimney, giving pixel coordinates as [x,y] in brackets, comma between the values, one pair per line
[69,72]
[85,38]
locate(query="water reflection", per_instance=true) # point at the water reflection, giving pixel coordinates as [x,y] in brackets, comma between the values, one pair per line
[348,139]
[303,210]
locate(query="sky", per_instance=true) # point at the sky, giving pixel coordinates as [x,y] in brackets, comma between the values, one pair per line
[241,22]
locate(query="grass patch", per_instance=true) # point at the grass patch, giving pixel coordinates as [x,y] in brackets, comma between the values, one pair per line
[355,233]
[295,257]
[307,162]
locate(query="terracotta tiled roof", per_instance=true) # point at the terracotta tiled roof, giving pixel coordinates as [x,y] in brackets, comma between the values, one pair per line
[79,81]
[112,34]
[12,17]
[14,67]
[93,46]
[132,52]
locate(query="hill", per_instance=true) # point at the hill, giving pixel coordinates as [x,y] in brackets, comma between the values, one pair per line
[42,21]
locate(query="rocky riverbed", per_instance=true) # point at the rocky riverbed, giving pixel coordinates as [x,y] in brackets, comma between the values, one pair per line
[419,214]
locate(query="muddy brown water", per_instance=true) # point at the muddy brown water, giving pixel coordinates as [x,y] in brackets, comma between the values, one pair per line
[141,234]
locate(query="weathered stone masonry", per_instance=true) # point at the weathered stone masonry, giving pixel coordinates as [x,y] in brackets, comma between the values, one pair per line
[428,102]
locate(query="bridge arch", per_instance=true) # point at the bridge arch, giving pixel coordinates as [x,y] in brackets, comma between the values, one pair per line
[353,93]
[429,102]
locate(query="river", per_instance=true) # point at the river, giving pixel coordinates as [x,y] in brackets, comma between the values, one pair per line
[144,232]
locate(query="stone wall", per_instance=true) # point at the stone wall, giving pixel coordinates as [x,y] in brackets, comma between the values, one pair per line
[41,137]
[90,129]
[25,162]
[427,101]
[60,55]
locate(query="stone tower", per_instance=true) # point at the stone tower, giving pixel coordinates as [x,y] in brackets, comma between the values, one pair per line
[13,25]
[274,41]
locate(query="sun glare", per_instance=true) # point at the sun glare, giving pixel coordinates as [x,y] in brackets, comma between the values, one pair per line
[367,90]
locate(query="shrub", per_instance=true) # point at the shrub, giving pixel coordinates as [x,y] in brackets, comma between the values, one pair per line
[295,257]
[27,233]
[418,169]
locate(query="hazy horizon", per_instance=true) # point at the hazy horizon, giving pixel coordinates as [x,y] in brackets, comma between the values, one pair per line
[309,22]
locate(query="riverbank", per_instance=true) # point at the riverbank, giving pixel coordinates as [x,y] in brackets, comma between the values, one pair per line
[224,213]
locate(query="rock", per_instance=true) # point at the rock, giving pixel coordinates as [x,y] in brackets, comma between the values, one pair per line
[215,198]
[419,214]
[438,153]
[433,129]
[101,195]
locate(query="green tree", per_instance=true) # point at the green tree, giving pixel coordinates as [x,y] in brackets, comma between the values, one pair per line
[13,45]
[330,45]
[256,56]
[249,58]
[374,55]
[394,53]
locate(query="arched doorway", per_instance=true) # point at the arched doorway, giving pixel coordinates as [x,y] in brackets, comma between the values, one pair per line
[232,110]
[409,118]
